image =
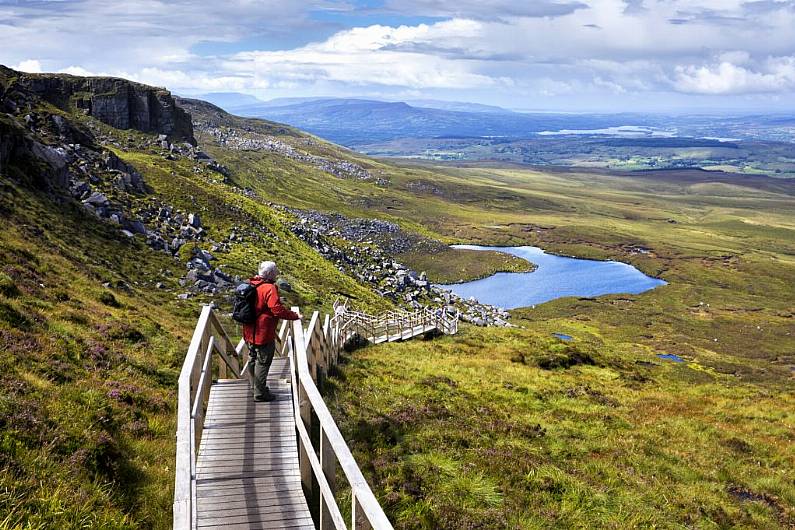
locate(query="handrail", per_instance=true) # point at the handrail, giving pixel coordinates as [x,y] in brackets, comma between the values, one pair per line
[395,323]
[312,352]
[209,338]
[366,511]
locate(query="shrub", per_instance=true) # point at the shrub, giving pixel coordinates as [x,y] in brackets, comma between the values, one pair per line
[7,286]
[569,357]
[108,299]
[13,317]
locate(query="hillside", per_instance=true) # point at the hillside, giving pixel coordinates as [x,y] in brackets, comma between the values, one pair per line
[355,122]
[117,226]
[115,229]
[121,217]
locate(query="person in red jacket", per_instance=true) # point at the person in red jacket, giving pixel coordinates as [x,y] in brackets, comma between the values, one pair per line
[260,335]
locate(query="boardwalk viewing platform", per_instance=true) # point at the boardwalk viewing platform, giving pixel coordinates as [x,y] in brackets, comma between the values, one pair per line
[242,464]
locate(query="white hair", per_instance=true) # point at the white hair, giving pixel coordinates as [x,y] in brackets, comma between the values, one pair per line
[268,270]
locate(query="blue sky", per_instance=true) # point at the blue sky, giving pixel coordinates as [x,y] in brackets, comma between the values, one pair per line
[569,55]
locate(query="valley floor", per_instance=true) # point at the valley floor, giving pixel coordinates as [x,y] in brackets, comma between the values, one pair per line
[515,428]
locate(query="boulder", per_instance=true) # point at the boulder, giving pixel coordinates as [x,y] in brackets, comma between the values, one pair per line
[194,220]
[284,285]
[136,227]
[96,199]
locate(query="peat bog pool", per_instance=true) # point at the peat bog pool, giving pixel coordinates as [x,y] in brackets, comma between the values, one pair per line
[555,277]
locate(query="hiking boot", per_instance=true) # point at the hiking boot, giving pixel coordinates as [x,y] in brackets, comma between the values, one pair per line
[266,397]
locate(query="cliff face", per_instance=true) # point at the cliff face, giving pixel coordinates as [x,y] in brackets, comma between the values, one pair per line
[117,102]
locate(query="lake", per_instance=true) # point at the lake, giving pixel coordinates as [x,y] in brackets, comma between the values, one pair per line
[555,277]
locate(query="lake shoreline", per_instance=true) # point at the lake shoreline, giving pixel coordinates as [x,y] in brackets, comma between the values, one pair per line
[554,276]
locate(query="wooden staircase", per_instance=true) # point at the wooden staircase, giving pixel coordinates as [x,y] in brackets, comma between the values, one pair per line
[396,325]
[242,464]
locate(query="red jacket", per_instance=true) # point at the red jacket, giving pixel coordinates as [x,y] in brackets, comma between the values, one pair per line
[269,310]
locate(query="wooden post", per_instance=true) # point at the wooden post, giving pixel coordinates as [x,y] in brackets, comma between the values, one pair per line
[300,355]
[308,347]
[359,518]
[328,462]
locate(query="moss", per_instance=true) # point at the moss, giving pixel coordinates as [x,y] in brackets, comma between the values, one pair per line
[8,288]
[107,298]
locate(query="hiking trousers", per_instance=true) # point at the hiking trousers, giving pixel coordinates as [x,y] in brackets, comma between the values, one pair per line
[260,359]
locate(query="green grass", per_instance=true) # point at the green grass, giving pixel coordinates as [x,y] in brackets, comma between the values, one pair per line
[470,432]
[88,373]
[456,265]
[461,432]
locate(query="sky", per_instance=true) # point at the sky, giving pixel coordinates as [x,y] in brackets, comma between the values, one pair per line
[558,55]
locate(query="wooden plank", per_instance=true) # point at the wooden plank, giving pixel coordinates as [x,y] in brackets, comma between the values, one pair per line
[293,525]
[249,504]
[248,471]
[265,525]
[263,487]
[272,514]
[252,495]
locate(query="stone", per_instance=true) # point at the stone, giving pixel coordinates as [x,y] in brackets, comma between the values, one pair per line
[137,227]
[218,273]
[194,220]
[120,103]
[96,199]
[80,189]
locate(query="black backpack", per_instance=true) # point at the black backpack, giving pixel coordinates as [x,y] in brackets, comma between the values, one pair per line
[245,307]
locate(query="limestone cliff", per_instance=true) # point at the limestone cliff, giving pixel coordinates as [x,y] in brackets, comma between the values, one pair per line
[117,102]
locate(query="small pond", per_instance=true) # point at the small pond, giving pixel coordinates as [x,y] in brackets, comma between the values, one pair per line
[555,277]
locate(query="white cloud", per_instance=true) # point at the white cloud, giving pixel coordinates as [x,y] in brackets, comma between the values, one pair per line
[29,65]
[378,55]
[77,70]
[505,48]
[727,78]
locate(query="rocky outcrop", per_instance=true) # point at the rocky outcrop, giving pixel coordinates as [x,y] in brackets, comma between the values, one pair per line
[40,165]
[355,248]
[119,103]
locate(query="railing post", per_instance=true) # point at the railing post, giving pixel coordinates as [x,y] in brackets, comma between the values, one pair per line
[309,348]
[300,355]
[328,462]
[358,517]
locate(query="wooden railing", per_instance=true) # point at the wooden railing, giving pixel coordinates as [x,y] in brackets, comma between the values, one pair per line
[211,354]
[395,325]
[312,352]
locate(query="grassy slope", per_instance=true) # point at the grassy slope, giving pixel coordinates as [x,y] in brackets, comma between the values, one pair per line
[285,181]
[730,247]
[705,443]
[87,404]
[89,373]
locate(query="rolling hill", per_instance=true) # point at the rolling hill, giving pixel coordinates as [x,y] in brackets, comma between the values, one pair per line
[124,209]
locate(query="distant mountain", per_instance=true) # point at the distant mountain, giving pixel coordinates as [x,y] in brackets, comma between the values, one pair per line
[459,106]
[229,100]
[355,122]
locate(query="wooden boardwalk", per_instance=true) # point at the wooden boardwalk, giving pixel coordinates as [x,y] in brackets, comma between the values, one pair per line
[247,473]
[242,464]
